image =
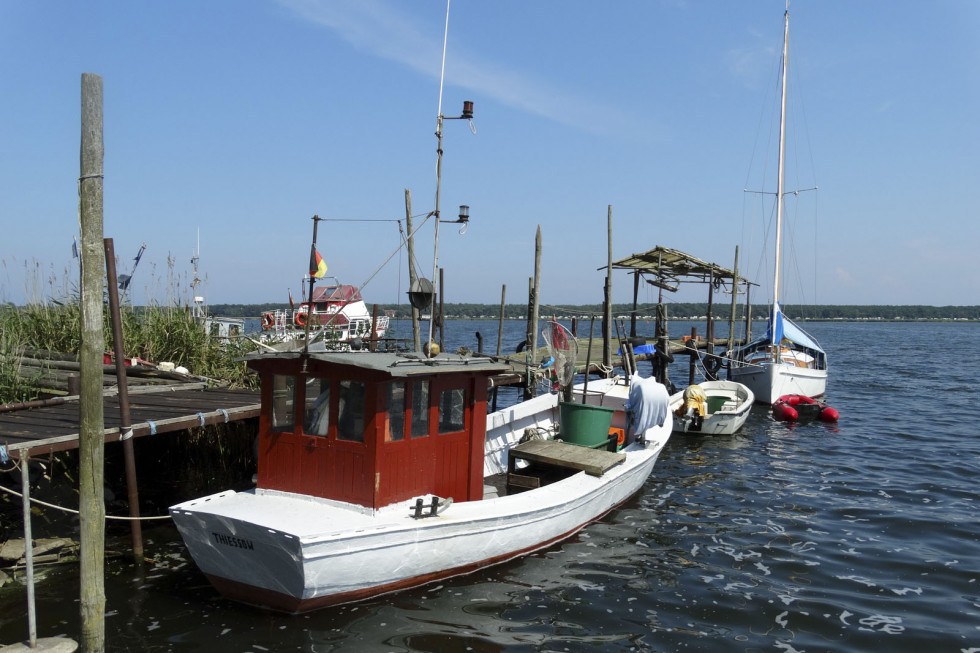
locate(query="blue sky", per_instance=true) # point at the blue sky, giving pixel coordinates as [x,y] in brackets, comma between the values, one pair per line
[240,119]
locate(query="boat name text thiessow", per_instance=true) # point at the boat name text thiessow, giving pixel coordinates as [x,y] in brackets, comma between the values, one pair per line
[232,541]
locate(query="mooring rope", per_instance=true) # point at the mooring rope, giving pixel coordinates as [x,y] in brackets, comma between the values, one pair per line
[75,512]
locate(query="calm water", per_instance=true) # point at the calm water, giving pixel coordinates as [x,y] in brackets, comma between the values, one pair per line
[855,537]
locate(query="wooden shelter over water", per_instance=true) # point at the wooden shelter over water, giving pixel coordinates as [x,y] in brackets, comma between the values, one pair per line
[666,269]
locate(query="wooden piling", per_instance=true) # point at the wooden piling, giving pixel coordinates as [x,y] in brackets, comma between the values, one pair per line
[607,316]
[410,247]
[373,340]
[442,316]
[91,447]
[693,344]
[500,323]
[710,326]
[25,483]
[731,317]
[535,293]
[529,349]
[125,423]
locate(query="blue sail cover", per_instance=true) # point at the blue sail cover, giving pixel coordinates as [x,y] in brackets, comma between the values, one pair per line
[774,332]
[782,327]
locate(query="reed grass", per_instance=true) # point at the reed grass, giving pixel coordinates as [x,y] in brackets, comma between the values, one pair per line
[15,384]
[153,333]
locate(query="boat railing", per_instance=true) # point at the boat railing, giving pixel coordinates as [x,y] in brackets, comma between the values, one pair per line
[282,323]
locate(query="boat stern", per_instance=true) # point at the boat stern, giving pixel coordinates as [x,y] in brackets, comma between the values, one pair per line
[244,561]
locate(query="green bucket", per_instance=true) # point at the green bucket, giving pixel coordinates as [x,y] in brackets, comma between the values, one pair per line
[584,424]
[715,403]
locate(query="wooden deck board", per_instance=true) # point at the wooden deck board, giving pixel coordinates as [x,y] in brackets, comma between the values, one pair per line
[594,462]
[56,428]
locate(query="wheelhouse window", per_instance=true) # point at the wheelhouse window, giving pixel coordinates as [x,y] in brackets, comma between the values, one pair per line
[283,402]
[451,410]
[316,415]
[350,418]
[395,398]
[420,408]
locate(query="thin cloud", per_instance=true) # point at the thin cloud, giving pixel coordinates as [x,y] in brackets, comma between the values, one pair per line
[380,29]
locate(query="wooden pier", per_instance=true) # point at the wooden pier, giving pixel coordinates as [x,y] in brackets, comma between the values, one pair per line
[520,361]
[54,426]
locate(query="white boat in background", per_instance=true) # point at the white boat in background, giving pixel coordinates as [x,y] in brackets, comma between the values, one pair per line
[796,366]
[711,408]
[381,471]
[787,360]
[339,320]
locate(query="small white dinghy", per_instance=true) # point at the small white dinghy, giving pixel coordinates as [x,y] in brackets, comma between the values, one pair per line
[711,408]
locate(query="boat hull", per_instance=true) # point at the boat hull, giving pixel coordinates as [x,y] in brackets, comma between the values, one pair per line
[769,381]
[294,553]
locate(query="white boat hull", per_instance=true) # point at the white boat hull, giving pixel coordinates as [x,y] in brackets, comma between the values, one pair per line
[769,381]
[296,553]
[736,401]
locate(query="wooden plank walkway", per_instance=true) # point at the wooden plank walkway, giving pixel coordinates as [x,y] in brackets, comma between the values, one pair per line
[56,428]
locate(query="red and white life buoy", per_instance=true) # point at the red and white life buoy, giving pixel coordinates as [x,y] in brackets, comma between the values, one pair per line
[268,320]
[300,319]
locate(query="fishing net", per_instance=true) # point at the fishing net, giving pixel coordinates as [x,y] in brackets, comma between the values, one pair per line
[563,348]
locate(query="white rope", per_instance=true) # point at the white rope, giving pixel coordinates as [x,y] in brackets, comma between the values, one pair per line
[75,512]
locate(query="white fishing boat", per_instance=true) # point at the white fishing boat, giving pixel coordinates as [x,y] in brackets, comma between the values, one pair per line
[338,319]
[382,471]
[711,408]
[786,360]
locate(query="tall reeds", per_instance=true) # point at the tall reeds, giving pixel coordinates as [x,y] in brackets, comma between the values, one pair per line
[152,333]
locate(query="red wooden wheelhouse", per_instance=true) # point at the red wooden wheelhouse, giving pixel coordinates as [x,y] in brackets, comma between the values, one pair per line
[373,429]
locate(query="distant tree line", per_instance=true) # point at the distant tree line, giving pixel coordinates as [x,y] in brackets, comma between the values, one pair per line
[677,311]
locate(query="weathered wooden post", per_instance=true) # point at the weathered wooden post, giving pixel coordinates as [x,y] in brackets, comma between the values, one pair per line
[693,344]
[537,292]
[532,318]
[25,483]
[607,317]
[442,317]
[636,294]
[91,447]
[731,318]
[710,326]
[125,423]
[500,324]
[748,313]
[373,340]
[528,351]
[412,276]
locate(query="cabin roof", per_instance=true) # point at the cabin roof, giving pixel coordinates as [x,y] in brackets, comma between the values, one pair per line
[337,293]
[400,365]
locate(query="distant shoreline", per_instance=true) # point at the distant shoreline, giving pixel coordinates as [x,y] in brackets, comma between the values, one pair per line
[675,312]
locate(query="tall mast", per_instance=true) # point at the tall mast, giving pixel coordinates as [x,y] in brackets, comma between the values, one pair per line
[439,119]
[782,156]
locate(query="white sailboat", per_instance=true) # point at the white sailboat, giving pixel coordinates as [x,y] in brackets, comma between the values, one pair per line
[786,360]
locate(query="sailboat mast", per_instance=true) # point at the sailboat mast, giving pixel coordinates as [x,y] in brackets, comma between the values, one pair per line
[782,161]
